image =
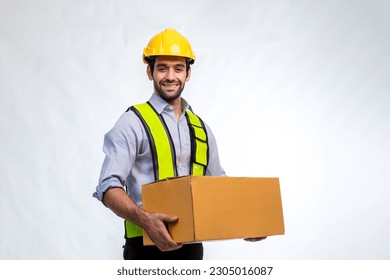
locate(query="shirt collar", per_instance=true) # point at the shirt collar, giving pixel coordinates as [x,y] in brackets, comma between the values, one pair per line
[160,104]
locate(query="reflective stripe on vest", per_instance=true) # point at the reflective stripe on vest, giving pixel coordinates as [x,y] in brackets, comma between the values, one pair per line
[163,151]
[199,145]
[161,146]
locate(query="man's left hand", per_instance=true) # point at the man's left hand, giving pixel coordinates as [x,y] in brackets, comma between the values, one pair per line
[255,239]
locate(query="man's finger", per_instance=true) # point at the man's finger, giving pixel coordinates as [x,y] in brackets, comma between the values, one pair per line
[255,239]
[168,218]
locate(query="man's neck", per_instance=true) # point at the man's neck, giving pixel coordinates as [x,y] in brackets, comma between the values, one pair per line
[176,104]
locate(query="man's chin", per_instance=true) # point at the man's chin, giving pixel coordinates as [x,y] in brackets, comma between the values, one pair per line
[169,96]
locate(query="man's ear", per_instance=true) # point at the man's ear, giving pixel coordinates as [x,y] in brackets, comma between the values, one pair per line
[149,73]
[188,75]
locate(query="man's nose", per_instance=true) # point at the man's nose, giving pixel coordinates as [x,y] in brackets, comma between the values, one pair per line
[170,74]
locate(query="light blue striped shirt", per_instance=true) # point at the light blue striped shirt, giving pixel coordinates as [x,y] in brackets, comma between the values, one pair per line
[128,160]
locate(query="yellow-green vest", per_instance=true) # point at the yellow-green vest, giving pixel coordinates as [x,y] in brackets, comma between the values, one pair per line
[163,150]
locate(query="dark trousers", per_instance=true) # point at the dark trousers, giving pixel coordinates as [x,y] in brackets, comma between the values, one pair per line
[135,250]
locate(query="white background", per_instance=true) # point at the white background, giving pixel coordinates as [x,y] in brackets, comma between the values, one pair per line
[292,89]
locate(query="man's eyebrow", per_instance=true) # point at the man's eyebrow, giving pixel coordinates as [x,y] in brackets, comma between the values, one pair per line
[161,64]
[166,65]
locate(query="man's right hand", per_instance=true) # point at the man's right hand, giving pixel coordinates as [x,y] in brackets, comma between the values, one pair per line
[158,232]
[153,223]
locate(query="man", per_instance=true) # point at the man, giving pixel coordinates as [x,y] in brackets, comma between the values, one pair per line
[153,141]
[129,159]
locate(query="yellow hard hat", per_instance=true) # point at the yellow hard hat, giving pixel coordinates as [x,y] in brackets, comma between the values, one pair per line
[169,42]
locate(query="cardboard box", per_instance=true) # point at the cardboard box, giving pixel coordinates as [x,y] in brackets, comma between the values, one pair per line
[215,208]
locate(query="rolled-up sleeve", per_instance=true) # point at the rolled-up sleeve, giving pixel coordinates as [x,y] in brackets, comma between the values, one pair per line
[120,150]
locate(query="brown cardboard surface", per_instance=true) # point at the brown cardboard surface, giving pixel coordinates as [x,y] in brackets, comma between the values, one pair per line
[172,197]
[214,208]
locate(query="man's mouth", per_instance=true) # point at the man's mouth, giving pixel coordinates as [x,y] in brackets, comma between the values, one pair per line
[170,84]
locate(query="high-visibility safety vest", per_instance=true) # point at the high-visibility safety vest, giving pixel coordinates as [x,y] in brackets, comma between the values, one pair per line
[163,150]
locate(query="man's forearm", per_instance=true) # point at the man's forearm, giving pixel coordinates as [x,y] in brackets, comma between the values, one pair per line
[121,204]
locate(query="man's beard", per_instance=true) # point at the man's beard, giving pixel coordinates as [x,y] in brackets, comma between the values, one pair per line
[168,97]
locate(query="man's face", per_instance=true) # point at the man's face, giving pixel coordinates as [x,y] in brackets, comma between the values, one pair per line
[169,76]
